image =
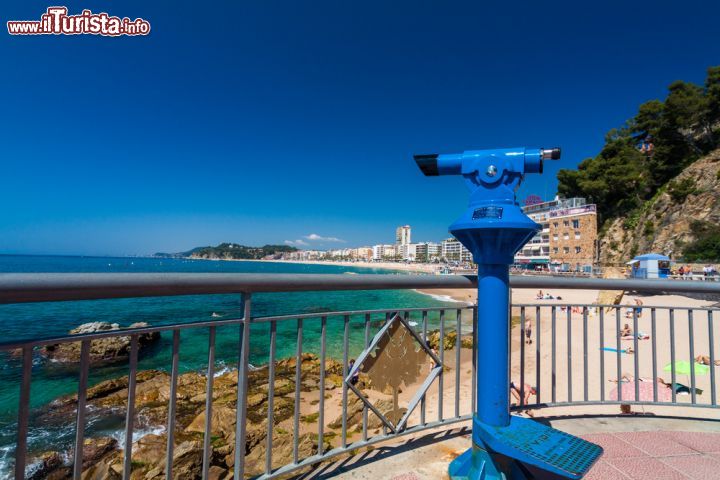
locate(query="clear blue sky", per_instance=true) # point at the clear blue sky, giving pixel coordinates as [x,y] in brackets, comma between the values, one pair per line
[265,121]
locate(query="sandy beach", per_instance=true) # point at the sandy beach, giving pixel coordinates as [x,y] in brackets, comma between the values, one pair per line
[406,267]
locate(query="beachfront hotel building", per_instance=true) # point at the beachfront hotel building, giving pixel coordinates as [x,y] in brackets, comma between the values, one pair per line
[567,241]
[428,252]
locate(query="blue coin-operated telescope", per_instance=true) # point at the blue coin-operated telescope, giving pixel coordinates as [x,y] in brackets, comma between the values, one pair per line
[494,228]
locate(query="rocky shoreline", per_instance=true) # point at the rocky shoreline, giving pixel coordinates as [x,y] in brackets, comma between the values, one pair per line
[103,456]
[103,350]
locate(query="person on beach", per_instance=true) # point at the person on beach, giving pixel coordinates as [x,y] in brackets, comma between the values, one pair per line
[539,295]
[522,397]
[626,331]
[626,378]
[705,360]
[528,333]
[638,308]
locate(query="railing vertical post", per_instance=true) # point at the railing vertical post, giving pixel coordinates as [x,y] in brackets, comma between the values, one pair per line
[321,404]
[271,399]
[81,400]
[537,356]
[298,379]
[441,346]
[242,382]
[346,341]
[173,405]
[601,322]
[585,353]
[672,354]
[569,353]
[636,347]
[654,353]
[367,344]
[130,418]
[522,356]
[618,359]
[711,348]
[691,339]
[553,314]
[458,344]
[23,413]
[207,438]
[422,400]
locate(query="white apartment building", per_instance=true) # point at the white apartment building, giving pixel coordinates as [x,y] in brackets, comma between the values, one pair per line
[303,255]
[454,251]
[383,252]
[389,252]
[407,251]
[402,235]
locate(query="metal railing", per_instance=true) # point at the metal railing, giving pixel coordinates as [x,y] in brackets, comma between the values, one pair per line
[601,354]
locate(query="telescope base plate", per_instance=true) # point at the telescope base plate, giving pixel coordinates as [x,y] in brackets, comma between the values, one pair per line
[536,445]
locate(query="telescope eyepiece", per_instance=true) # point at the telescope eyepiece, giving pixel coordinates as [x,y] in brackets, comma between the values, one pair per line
[428,164]
[551,153]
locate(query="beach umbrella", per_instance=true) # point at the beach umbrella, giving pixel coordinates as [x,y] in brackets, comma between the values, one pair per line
[682,367]
[646,392]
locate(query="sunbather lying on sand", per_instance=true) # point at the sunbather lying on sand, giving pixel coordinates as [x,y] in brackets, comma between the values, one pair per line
[640,336]
[705,360]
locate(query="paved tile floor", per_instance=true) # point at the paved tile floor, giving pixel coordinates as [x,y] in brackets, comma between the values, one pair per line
[657,456]
[641,452]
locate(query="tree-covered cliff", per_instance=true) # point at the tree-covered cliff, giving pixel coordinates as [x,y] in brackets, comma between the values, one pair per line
[678,131]
[655,181]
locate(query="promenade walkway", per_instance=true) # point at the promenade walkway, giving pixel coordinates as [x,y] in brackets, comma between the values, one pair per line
[636,448]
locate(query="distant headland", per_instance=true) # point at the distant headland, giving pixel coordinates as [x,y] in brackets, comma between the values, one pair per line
[232,251]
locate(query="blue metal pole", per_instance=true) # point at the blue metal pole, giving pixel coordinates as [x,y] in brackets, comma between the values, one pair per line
[493,345]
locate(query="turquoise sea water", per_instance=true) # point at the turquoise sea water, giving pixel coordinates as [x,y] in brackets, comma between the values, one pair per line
[23,321]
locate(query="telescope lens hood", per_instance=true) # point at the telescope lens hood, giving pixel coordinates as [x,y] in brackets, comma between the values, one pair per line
[428,164]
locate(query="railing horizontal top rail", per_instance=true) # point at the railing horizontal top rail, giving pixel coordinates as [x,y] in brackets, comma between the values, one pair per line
[46,287]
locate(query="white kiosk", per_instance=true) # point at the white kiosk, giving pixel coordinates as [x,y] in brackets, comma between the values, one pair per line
[650,265]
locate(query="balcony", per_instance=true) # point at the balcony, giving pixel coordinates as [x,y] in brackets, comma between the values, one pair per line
[256,413]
